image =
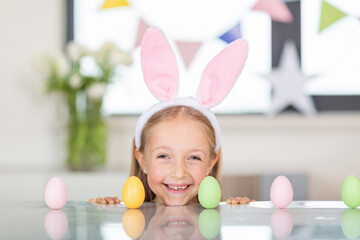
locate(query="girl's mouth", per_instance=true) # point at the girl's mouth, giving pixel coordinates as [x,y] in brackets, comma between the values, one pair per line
[176,188]
[177,223]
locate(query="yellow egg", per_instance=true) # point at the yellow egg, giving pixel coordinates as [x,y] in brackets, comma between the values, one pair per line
[133,222]
[133,192]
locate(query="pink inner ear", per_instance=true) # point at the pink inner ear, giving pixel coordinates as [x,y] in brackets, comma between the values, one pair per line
[159,65]
[221,73]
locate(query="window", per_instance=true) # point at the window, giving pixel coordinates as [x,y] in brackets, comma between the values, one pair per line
[331,56]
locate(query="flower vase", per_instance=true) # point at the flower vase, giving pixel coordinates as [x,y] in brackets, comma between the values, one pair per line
[86,144]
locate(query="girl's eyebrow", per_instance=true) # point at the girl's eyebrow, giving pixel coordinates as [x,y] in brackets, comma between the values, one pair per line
[196,150]
[161,147]
[169,148]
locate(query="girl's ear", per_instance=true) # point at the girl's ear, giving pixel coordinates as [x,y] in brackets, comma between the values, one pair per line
[213,161]
[159,66]
[139,156]
[221,73]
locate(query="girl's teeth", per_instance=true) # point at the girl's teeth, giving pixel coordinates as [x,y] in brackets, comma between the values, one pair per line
[177,188]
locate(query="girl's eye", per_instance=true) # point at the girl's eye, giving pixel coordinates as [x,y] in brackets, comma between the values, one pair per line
[162,156]
[195,158]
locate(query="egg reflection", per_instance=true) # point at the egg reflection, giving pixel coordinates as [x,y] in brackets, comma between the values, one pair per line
[350,223]
[209,223]
[133,222]
[56,224]
[281,223]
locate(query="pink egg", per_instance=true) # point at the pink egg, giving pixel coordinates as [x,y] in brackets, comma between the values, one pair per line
[56,224]
[281,223]
[55,194]
[281,192]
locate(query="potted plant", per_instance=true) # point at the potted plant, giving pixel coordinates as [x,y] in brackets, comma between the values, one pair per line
[82,77]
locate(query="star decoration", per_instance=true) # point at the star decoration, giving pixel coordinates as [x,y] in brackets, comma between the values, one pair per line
[288,83]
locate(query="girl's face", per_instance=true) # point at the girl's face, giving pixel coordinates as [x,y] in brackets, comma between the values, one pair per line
[176,158]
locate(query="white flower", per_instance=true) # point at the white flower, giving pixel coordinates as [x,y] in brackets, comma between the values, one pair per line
[108,46]
[120,57]
[61,65]
[105,50]
[75,81]
[109,52]
[76,51]
[96,91]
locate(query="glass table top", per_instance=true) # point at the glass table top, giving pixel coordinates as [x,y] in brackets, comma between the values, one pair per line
[258,220]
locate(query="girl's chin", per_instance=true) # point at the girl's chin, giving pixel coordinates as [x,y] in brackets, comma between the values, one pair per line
[175,203]
[179,202]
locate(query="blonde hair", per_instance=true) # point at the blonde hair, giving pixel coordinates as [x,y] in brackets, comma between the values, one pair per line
[165,115]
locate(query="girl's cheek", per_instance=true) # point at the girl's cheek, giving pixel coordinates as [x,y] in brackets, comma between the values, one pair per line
[198,175]
[157,174]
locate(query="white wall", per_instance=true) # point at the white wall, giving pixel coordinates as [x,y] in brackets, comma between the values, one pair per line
[28,122]
[32,124]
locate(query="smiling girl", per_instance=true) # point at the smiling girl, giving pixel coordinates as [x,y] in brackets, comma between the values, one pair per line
[177,141]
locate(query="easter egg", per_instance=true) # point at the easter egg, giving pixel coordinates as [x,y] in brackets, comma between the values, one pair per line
[350,223]
[133,192]
[55,194]
[56,224]
[209,192]
[281,223]
[281,192]
[133,222]
[350,192]
[209,223]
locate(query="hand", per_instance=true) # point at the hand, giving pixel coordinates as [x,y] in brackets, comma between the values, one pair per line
[239,200]
[105,200]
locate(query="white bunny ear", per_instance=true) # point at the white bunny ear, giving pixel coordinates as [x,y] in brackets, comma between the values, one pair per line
[221,73]
[159,66]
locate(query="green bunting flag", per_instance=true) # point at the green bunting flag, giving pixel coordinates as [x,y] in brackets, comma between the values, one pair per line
[329,15]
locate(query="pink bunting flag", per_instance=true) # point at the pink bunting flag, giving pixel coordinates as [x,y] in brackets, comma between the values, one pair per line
[277,10]
[140,33]
[188,51]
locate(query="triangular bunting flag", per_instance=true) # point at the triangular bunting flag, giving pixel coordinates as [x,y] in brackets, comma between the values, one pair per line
[277,10]
[140,33]
[329,15]
[188,51]
[231,35]
[114,3]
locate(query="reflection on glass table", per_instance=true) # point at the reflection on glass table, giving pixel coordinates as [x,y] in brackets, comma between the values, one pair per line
[258,220]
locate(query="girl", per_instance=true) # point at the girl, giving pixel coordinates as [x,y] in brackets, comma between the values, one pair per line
[177,141]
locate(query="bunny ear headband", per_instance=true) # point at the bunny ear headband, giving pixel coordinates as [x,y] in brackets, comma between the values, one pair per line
[161,76]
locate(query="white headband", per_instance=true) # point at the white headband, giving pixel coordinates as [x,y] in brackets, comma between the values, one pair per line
[161,76]
[187,101]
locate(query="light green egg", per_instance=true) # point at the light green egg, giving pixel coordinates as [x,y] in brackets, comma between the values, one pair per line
[209,192]
[350,192]
[209,223]
[350,223]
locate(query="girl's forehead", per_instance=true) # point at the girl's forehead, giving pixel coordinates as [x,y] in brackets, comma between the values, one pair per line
[179,130]
[180,121]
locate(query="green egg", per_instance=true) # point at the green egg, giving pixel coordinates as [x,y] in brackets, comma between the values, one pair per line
[209,192]
[350,192]
[209,223]
[350,223]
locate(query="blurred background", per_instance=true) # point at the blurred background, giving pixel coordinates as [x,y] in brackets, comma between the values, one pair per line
[72,90]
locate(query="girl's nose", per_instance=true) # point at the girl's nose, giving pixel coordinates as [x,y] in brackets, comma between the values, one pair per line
[179,170]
